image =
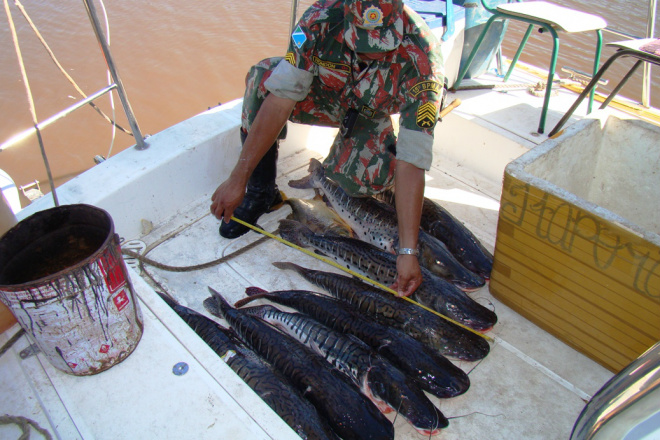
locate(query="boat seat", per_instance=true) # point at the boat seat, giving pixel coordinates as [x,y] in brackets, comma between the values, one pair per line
[548,16]
[646,50]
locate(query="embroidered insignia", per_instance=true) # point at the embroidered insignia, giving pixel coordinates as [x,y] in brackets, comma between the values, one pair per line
[425,86]
[291,58]
[298,37]
[368,111]
[426,115]
[331,65]
[373,17]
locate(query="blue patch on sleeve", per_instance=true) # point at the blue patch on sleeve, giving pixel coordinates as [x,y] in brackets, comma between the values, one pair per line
[298,37]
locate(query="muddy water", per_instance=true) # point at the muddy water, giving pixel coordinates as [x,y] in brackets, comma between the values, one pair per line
[177,59]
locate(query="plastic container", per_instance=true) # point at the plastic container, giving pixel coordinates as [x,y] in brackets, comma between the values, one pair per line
[63,277]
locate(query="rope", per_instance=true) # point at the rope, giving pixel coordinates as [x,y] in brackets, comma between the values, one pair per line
[143,259]
[33,111]
[64,72]
[24,423]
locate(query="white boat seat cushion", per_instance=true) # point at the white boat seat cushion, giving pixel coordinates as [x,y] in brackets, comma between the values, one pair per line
[559,17]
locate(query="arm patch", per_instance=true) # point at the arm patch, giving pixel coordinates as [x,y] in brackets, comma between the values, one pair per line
[425,86]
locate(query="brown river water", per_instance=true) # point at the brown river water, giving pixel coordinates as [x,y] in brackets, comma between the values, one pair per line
[177,59]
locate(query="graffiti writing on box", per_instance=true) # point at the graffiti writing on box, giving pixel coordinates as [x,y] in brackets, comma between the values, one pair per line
[562,224]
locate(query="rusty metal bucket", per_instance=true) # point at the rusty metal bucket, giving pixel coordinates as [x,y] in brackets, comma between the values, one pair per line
[63,277]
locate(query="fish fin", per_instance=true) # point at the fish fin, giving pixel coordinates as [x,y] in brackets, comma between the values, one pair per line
[285,265]
[302,183]
[222,304]
[250,291]
[211,306]
[292,231]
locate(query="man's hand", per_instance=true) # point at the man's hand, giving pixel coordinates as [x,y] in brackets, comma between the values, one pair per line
[409,275]
[268,123]
[409,198]
[227,197]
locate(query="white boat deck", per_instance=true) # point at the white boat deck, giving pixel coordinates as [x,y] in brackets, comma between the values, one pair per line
[531,385]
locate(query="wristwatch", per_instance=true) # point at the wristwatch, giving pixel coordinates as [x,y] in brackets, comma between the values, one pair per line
[408,251]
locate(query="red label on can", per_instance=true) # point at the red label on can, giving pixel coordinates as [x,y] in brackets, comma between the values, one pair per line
[104,348]
[112,271]
[72,365]
[121,300]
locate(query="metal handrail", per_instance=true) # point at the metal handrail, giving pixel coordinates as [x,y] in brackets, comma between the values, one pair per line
[140,143]
[57,116]
[96,25]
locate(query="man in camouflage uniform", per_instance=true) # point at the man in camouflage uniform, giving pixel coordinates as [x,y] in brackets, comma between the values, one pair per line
[351,64]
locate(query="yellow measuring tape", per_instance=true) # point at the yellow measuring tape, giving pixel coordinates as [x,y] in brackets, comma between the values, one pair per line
[362,277]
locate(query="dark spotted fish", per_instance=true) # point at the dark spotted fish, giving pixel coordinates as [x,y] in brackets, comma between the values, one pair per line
[317,216]
[434,292]
[375,222]
[350,414]
[460,241]
[433,372]
[434,331]
[266,382]
[379,380]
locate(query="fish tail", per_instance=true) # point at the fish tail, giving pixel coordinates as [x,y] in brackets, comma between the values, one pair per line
[316,174]
[253,293]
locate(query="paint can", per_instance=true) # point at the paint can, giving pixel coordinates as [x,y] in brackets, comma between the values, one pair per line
[63,277]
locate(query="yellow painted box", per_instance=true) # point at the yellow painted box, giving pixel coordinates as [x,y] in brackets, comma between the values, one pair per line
[578,245]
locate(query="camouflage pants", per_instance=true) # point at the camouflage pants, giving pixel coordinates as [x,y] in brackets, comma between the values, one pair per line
[361,164]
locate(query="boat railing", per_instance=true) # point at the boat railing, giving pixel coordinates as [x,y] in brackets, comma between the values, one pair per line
[650,32]
[115,85]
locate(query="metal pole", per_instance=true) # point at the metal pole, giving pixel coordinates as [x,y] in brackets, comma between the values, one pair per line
[93,18]
[294,15]
[46,122]
[650,31]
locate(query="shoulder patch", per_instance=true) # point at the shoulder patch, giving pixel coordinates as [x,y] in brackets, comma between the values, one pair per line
[291,58]
[298,37]
[426,115]
[425,86]
[331,65]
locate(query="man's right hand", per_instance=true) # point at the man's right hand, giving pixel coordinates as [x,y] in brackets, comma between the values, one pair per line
[227,197]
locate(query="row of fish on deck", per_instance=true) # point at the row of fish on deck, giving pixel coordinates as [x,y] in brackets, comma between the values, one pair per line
[350,355]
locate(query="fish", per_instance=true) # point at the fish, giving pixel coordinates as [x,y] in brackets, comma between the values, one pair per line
[434,292]
[461,242]
[270,385]
[378,379]
[376,222]
[318,216]
[350,414]
[431,371]
[439,334]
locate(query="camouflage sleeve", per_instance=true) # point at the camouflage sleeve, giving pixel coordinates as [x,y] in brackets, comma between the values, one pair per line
[415,147]
[293,78]
[420,93]
[289,82]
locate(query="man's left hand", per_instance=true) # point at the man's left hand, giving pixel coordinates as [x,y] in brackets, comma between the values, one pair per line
[409,275]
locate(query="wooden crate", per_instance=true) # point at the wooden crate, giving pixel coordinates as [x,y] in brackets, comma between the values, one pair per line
[575,268]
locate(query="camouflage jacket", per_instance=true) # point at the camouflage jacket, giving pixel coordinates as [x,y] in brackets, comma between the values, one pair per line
[408,80]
